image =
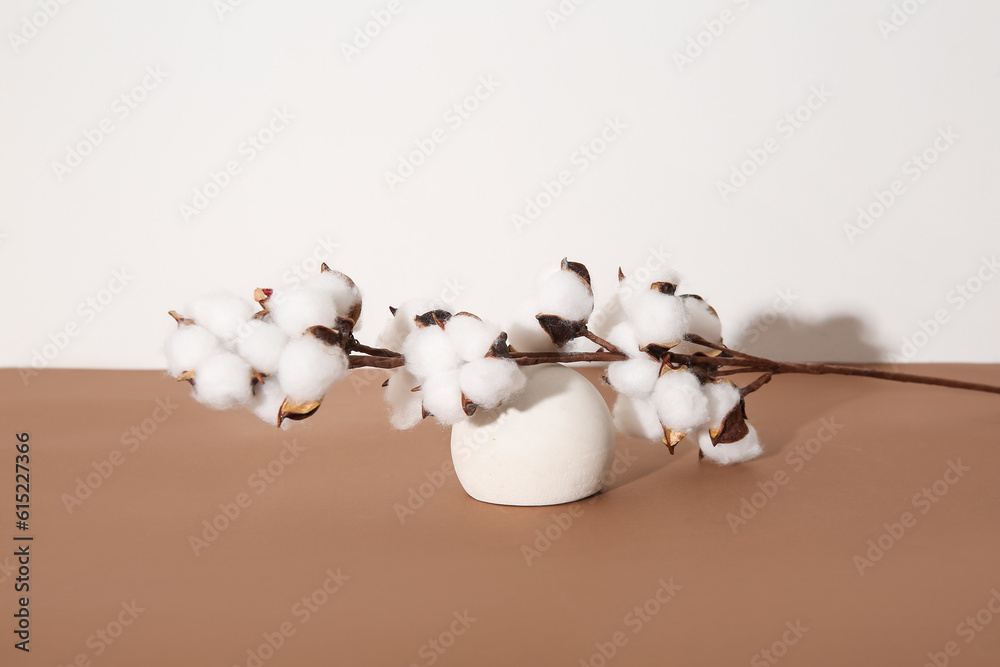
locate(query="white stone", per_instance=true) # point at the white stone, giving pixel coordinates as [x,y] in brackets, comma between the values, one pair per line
[553,443]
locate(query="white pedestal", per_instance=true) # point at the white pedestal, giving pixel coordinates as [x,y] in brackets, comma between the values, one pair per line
[554,443]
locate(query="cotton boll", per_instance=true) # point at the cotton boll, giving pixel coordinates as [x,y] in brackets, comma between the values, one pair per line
[636,417]
[222,313]
[680,403]
[525,335]
[660,274]
[470,336]
[442,397]
[623,337]
[267,400]
[634,377]
[308,368]
[731,452]
[657,318]
[722,398]
[490,382]
[402,325]
[564,293]
[188,346]
[345,294]
[223,381]
[405,405]
[297,309]
[262,345]
[702,321]
[428,351]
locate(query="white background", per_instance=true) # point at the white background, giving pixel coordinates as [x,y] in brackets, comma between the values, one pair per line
[448,228]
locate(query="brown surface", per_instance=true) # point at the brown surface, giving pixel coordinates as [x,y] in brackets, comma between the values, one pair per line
[663,518]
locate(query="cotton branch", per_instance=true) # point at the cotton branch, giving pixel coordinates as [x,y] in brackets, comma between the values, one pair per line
[729,362]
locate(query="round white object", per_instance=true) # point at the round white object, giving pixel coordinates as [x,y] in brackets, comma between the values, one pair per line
[553,443]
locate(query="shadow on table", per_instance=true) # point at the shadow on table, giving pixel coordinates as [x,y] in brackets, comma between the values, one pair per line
[841,338]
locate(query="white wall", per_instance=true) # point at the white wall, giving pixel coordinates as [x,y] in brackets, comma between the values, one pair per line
[321,181]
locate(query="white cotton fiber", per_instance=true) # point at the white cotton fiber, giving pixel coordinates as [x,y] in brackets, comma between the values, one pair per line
[339,288]
[679,401]
[223,381]
[222,313]
[566,294]
[703,321]
[722,397]
[188,346]
[267,400]
[428,351]
[402,325]
[636,417]
[261,345]
[634,377]
[297,309]
[657,318]
[404,404]
[471,337]
[308,368]
[622,336]
[491,382]
[442,397]
[731,452]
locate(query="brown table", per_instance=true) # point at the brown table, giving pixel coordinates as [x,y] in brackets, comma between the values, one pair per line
[359,547]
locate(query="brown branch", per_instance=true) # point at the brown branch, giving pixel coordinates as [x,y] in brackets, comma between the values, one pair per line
[721,366]
[354,346]
[610,347]
[357,361]
[756,384]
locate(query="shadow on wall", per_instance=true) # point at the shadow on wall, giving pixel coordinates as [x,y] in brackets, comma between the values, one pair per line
[782,337]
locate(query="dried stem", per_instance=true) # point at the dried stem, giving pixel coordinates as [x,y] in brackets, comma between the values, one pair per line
[730,362]
[591,336]
[354,346]
[756,384]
